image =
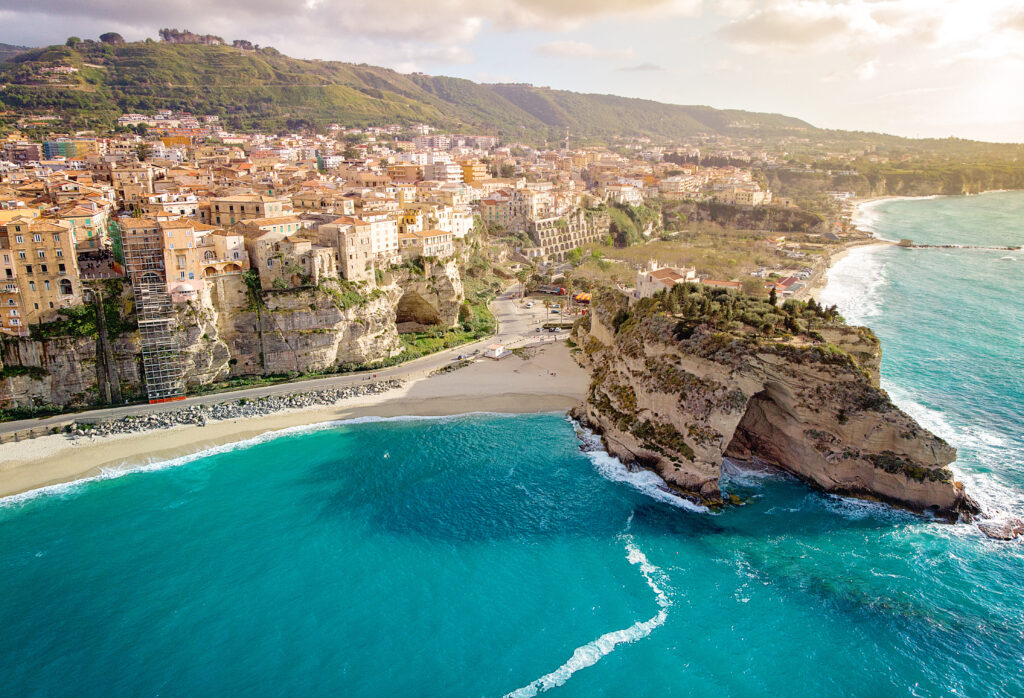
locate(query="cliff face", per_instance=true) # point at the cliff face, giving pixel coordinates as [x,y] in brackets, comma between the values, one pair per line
[62,370]
[222,334]
[431,298]
[677,397]
[300,330]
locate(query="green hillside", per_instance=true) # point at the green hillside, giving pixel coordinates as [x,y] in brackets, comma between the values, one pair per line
[265,89]
[9,51]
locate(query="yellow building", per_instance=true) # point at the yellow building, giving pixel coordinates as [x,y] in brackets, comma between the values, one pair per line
[89,223]
[474,171]
[43,253]
[228,210]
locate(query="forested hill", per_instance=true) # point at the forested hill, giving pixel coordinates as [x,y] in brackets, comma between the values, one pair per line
[264,89]
[8,51]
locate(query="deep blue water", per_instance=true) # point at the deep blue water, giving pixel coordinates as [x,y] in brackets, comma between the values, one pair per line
[479,555]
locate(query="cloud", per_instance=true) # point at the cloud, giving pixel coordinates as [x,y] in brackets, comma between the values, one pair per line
[795,26]
[814,25]
[580,49]
[642,68]
[398,33]
[868,70]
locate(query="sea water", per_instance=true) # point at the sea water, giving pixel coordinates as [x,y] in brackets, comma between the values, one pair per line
[488,555]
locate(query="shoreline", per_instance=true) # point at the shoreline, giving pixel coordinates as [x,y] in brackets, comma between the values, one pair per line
[820,281]
[547,380]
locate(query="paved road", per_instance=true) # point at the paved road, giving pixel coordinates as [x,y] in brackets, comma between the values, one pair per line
[517,327]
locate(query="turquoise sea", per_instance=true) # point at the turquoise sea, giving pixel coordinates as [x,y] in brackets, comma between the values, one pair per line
[485,555]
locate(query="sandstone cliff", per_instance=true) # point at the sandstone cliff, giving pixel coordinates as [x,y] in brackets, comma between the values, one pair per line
[222,334]
[431,295]
[681,380]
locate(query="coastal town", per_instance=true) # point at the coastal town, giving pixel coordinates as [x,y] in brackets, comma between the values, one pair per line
[490,348]
[173,223]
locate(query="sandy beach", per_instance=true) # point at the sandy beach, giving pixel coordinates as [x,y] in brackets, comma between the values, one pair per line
[547,380]
[818,282]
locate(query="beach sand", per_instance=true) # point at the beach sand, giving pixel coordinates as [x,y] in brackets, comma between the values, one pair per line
[548,380]
[818,282]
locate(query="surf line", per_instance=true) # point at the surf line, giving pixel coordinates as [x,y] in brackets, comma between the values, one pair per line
[590,653]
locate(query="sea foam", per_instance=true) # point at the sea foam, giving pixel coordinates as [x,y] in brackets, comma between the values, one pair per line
[644,481]
[590,653]
[856,284]
[112,472]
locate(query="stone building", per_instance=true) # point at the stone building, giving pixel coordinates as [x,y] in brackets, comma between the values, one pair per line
[44,264]
[553,238]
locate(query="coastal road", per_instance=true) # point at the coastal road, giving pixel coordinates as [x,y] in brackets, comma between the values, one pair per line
[516,327]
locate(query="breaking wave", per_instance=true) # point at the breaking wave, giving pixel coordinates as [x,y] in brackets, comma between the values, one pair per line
[590,653]
[644,481]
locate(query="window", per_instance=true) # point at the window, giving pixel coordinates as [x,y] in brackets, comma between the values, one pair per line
[65,287]
[60,268]
[56,238]
[19,238]
[46,285]
[37,238]
[41,253]
[43,268]
[7,258]
[21,254]
[60,253]
[15,322]
[28,268]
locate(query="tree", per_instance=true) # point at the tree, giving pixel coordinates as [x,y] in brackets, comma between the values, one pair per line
[574,256]
[111,38]
[143,151]
[508,171]
[72,41]
[773,298]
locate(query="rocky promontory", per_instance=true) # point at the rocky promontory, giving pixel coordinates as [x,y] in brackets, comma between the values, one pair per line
[681,380]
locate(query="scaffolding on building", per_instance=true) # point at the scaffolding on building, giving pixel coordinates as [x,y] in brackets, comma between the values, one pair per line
[161,356]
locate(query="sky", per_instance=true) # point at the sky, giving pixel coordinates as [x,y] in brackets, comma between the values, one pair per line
[917,68]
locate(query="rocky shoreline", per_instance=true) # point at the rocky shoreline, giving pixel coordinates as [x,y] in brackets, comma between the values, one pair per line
[199,415]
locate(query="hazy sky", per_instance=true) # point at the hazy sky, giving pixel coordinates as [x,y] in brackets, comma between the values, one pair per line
[910,67]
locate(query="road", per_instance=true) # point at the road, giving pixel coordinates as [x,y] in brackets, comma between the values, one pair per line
[516,327]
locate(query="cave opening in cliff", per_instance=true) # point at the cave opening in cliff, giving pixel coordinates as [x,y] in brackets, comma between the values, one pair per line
[760,434]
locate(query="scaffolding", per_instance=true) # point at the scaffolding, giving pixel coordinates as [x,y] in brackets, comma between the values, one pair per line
[161,356]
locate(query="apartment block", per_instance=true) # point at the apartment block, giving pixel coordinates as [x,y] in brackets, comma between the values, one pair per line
[43,250]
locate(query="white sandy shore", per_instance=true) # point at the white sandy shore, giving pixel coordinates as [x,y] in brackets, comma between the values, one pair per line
[548,380]
[818,284]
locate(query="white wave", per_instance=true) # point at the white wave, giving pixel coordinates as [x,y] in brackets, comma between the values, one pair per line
[856,508]
[644,481]
[866,216]
[855,284]
[590,653]
[995,496]
[749,473]
[112,472]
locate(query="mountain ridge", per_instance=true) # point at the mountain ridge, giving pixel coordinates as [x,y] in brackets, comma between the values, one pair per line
[262,88]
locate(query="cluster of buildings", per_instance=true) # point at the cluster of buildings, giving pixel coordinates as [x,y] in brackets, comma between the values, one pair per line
[200,202]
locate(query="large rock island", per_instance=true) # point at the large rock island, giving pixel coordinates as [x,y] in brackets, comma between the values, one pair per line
[681,380]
